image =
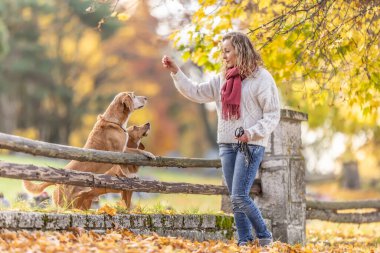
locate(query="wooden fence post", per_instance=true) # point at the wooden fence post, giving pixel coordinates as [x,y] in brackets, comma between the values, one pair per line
[282,176]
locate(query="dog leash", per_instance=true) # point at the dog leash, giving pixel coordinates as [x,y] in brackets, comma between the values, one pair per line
[243,146]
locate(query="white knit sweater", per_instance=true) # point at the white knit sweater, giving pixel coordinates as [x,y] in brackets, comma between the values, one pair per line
[259,106]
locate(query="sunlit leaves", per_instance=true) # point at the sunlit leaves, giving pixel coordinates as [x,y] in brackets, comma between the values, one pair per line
[106,209]
[123,16]
[321,237]
[323,52]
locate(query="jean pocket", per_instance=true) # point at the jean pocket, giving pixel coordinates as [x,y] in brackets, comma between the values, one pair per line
[224,149]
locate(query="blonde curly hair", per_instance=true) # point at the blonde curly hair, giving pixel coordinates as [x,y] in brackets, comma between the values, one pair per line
[248,59]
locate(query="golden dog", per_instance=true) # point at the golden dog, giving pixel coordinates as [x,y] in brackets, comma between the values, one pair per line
[108,134]
[135,133]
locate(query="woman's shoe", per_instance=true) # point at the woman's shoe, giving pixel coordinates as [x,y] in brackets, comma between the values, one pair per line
[265,242]
[240,244]
[245,243]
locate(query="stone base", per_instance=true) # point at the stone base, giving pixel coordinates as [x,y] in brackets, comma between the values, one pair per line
[194,227]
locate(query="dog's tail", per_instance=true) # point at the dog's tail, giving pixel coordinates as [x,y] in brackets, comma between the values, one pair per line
[36,188]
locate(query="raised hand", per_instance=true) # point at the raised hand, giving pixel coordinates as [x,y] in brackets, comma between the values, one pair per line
[169,64]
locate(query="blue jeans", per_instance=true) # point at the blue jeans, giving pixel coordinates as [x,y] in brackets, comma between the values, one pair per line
[239,179]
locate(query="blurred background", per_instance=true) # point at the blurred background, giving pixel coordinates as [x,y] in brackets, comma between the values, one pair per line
[62,62]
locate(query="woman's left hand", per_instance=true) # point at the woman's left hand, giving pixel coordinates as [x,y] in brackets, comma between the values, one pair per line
[243,138]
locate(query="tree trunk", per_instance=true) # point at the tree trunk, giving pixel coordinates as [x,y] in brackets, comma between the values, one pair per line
[8,113]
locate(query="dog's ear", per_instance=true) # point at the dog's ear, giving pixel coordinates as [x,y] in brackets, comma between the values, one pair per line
[128,102]
[141,146]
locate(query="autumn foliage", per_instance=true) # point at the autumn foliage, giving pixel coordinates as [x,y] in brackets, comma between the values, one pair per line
[79,240]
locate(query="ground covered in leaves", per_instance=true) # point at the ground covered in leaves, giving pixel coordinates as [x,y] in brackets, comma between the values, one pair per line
[321,237]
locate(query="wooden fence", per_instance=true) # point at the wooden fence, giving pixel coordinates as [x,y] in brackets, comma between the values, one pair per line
[329,211]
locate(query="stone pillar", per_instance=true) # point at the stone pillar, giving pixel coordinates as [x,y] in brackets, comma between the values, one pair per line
[282,175]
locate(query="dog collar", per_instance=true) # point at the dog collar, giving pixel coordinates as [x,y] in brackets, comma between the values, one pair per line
[112,122]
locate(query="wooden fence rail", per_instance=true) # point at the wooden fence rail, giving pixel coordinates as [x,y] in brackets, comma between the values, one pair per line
[342,205]
[41,148]
[333,216]
[70,177]
[336,211]
[332,211]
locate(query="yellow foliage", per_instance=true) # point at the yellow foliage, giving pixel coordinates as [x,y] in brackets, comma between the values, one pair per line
[78,137]
[123,16]
[333,64]
[69,49]
[141,116]
[263,4]
[321,237]
[30,133]
[45,20]
[26,13]
[145,50]
[148,88]
[83,86]
[89,44]
[112,60]
[106,209]
[127,32]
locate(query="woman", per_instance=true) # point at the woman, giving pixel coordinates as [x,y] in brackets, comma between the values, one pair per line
[246,96]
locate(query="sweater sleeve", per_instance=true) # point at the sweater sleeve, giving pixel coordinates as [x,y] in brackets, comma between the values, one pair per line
[270,104]
[200,93]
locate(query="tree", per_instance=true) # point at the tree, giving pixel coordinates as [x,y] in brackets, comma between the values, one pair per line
[328,49]
[324,54]
[44,78]
[66,61]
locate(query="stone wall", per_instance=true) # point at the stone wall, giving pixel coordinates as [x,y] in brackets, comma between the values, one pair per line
[194,227]
[282,181]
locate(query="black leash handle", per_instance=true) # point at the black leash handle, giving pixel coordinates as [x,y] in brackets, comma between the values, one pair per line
[243,146]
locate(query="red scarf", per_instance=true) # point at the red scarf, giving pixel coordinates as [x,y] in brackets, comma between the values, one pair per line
[231,94]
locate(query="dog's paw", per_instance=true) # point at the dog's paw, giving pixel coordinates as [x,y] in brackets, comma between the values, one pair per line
[149,155]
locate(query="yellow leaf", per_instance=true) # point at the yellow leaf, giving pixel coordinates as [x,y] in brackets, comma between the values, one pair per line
[264,4]
[123,17]
[107,209]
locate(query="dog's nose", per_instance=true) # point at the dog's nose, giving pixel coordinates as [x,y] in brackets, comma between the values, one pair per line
[145,98]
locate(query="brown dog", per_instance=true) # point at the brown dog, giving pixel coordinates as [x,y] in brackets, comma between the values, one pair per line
[107,134]
[135,133]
